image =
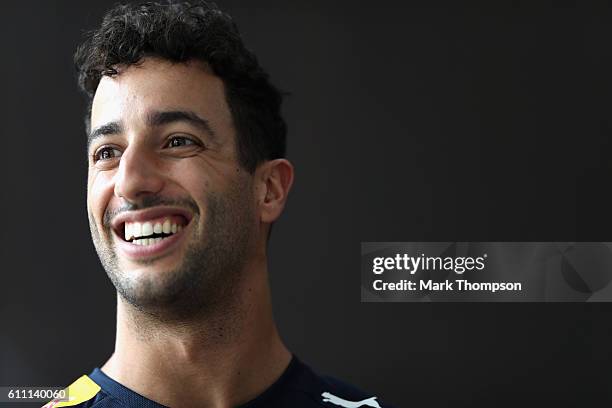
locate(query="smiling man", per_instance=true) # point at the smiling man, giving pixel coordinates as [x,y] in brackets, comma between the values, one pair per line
[187,173]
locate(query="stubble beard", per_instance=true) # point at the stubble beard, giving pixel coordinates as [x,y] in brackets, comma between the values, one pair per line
[205,282]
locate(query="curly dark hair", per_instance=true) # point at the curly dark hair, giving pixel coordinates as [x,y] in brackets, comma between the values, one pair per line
[185,31]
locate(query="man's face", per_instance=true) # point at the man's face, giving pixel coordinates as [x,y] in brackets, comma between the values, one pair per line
[171,211]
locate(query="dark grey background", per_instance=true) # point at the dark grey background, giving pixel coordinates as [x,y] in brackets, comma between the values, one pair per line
[429,121]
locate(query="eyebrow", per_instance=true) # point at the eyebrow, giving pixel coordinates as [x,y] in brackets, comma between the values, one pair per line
[111,128]
[155,119]
[160,118]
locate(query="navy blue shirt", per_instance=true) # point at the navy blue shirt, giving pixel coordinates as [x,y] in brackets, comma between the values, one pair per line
[298,387]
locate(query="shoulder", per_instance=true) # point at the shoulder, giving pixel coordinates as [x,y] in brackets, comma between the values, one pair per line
[331,392]
[84,393]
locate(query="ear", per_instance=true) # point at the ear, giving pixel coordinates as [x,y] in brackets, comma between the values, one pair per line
[274,180]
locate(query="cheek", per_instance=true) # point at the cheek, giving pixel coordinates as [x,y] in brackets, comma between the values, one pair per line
[99,193]
[192,177]
[197,188]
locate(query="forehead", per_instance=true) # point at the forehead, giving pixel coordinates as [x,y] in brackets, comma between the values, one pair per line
[157,85]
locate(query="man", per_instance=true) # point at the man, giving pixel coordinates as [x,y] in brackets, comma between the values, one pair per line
[186,176]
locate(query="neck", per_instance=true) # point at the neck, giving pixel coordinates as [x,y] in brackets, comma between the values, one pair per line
[219,360]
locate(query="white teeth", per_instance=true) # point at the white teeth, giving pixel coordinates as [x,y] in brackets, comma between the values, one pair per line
[146,241]
[136,229]
[147,229]
[128,231]
[167,227]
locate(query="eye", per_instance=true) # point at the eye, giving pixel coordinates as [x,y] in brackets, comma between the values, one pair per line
[106,153]
[178,141]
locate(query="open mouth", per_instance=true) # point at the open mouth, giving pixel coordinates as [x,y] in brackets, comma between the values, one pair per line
[151,232]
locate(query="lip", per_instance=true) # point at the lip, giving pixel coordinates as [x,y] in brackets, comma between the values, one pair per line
[158,249]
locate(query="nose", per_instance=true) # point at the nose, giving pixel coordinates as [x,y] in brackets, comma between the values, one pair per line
[138,175]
